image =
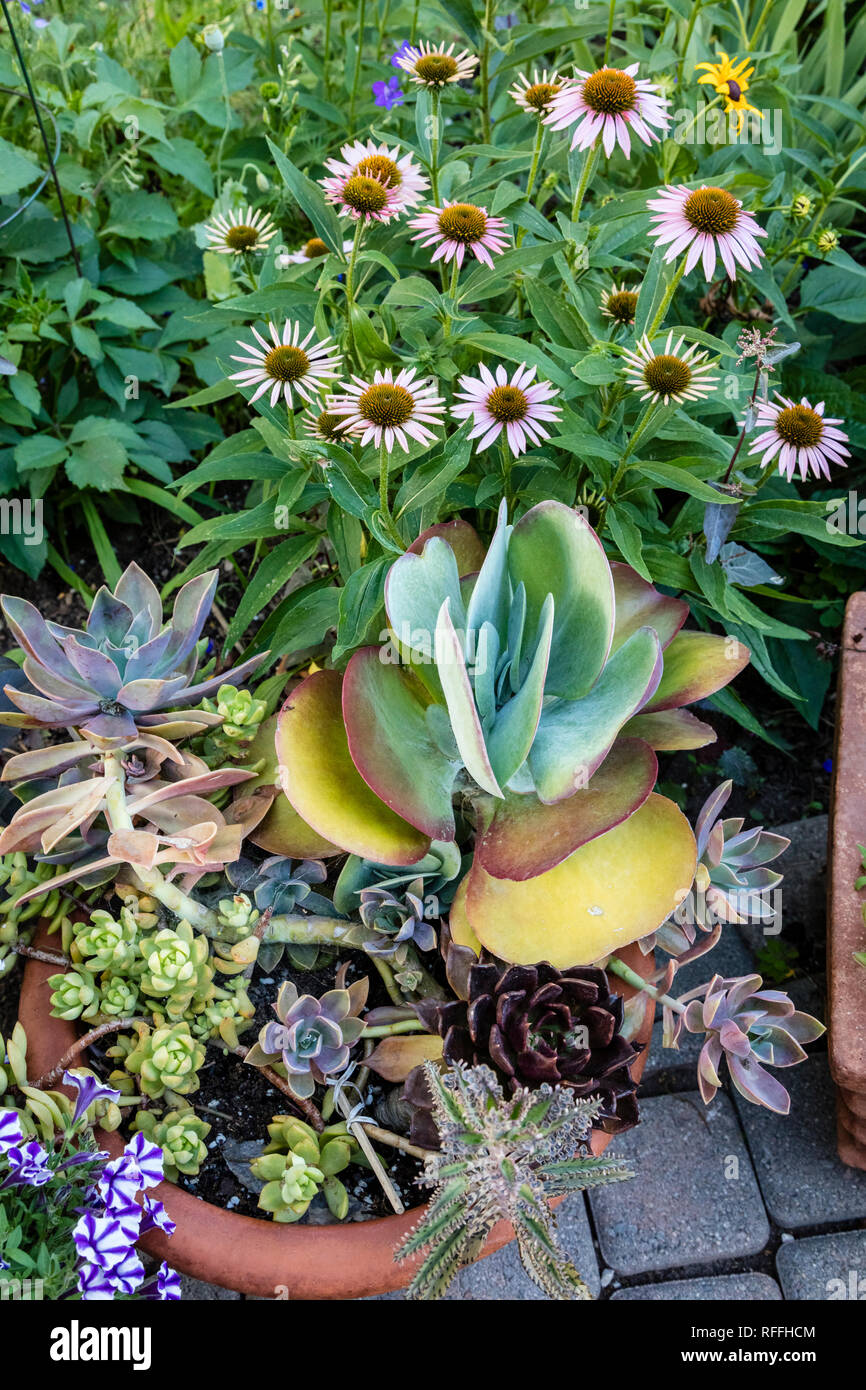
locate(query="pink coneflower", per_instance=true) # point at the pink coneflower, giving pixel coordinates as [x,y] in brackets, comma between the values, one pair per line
[669,375]
[366,159]
[704,219]
[497,404]
[388,408]
[609,103]
[619,303]
[536,97]
[428,66]
[239,230]
[363,197]
[801,436]
[457,227]
[319,423]
[284,364]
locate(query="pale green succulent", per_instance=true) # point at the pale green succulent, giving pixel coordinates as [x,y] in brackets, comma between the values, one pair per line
[241,713]
[177,970]
[118,998]
[75,994]
[298,1163]
[180,1134]
[105,944]
[163,1059]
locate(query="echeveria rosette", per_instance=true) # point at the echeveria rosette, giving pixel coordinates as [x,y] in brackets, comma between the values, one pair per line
[731,884]
[124,669]
[313,1037]
[536,1025]
[536,681]
[753,1028]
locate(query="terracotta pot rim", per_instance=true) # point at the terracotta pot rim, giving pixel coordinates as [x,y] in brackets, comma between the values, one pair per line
[252,1255]
[845,929]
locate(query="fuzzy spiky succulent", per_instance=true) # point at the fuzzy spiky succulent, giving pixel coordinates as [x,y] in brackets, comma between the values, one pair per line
[503,1158]
[533,1024]
[124,669]
[531,685]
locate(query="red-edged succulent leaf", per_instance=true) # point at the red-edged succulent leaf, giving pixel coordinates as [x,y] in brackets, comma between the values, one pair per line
[697,664]
[575,736]
[323,784]
[384,709]
[553,550]
[638,604]
[463,539]
[526,838]
[613,890]
[670,729]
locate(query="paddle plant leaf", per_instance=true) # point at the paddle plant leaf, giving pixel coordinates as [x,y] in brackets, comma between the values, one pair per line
[511,737]
[553,550]
[697,664]
[575,736]
[525,837]
[324,786]
[461,703]
[384,708]
[615,889]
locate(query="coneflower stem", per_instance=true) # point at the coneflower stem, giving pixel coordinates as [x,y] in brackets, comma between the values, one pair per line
[533,170]
[329,13]
[610,17]
[383,24]
[350,287]
[590,159]
[507,464]
[696,9]
[34,103]
[659,316]
[452,291]
[435,98]
[226,123]
[362,15]
[485,74]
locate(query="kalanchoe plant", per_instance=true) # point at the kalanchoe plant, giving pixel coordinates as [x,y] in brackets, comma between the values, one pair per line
[503,1157]
[298,1163]
[534,1025]
[313,1037]
[537,692]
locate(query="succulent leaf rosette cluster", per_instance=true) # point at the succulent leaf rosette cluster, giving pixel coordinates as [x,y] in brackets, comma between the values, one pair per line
[533,683]
[312,1038]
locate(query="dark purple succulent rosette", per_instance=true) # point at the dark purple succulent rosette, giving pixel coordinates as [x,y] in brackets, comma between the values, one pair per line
[535,1024]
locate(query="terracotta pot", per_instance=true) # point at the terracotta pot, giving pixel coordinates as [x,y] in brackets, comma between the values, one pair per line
[258,1256]
[846,930]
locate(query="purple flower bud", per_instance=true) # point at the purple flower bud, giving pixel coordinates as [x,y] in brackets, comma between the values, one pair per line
[90,1089]
[404,48]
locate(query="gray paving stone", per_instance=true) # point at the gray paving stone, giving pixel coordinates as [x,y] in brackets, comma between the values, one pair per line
[824,1267]
[742,1287]
[804,889]
[685,1206]
[802,1179]
[200,1292]
[502,1277]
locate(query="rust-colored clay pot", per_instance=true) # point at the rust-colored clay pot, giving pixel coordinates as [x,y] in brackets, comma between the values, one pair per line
[258,1256]
[846,930]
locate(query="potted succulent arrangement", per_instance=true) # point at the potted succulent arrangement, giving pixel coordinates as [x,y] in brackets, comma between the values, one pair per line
[846,926]
[479,792]
[347,890]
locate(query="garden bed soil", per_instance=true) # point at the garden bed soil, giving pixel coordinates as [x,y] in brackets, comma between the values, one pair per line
[846,929]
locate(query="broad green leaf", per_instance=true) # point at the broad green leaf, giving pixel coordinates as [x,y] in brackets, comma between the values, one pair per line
[311,200]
